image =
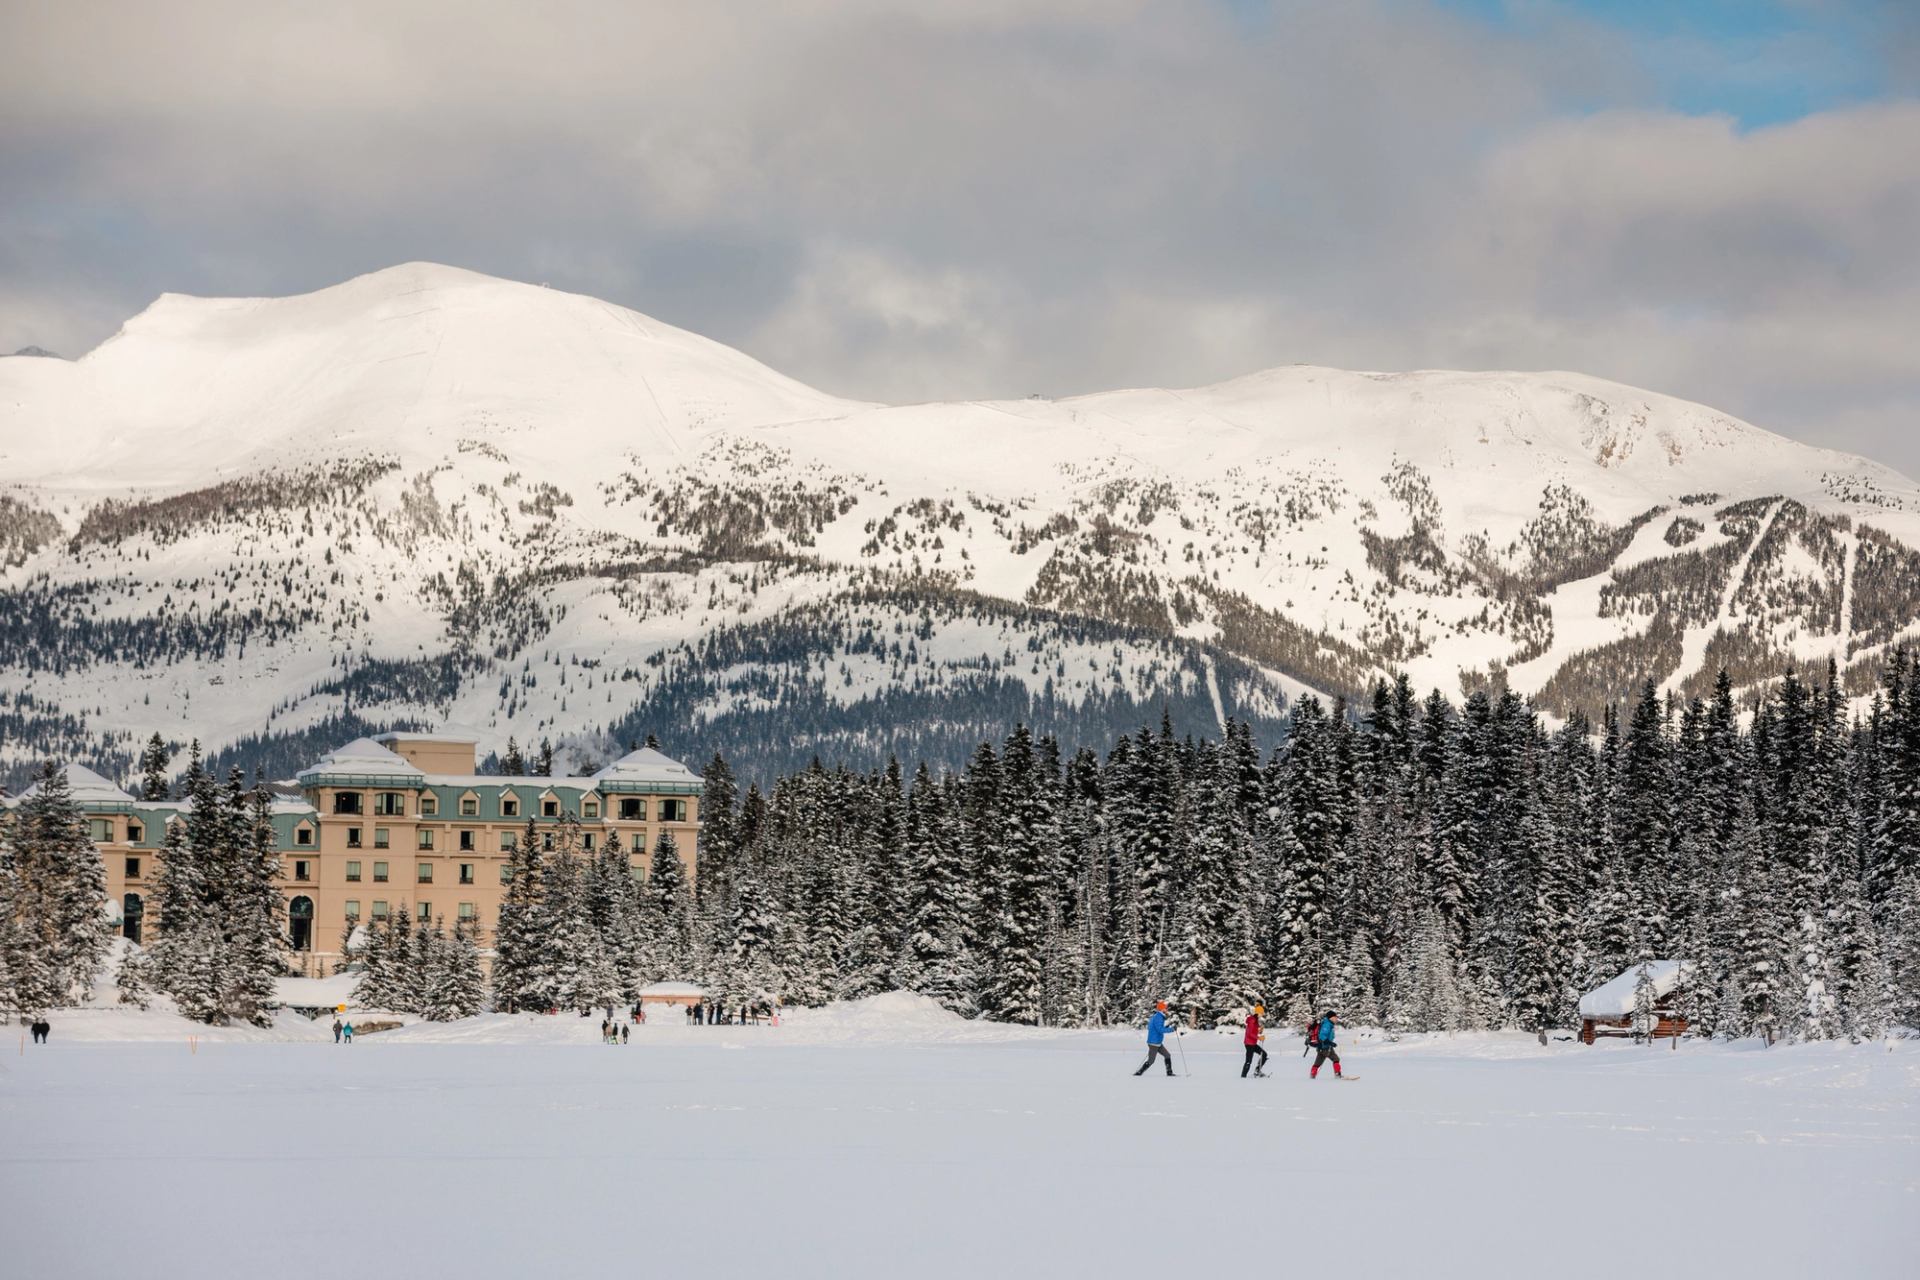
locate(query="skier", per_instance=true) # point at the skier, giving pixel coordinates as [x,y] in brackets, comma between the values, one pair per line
[1156,1039]
[1323,1041]
[1254,1036]
[336,1031]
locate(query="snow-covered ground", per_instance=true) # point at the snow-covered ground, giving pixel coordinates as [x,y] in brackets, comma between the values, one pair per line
[889,1139]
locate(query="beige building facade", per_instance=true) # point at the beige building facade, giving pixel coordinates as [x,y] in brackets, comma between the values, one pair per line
[402,823]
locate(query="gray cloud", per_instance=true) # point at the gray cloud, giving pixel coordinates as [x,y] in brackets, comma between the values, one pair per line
[985,199]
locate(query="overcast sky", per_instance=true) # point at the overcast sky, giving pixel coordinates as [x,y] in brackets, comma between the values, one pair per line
[998,197]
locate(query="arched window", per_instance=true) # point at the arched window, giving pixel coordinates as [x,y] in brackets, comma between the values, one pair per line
[131,909]
[300,922]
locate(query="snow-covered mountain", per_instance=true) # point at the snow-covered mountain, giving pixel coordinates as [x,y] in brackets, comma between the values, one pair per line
[430,496]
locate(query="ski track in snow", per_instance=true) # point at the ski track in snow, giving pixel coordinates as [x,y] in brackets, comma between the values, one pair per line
[1213,691]
[1693,643]
[1852,539]
[869,1139]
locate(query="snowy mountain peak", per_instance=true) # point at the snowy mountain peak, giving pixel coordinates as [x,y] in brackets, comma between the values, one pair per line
[426,496]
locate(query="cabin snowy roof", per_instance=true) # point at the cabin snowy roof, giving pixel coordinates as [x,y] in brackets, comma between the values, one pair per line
[87,787]
[659,990]
[1615,999]
[645,766]
[361,758]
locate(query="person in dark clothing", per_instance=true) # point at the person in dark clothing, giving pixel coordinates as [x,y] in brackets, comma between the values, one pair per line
[41,1030]
[1156,1040]
[336,1031]
[1253,1038]
[625,1030]
[1323,1041]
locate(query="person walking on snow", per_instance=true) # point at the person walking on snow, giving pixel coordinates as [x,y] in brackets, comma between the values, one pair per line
[347,1031]
[1323,1041]
[1156,1039]
[1254,1036]
[336,1031]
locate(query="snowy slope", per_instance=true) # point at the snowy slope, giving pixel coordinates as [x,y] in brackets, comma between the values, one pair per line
[427,495]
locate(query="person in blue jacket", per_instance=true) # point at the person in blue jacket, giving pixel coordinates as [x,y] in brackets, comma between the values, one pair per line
[1323,1041]
[1156,1040]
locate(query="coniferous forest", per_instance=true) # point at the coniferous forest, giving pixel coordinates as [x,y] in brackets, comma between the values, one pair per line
[1413,863]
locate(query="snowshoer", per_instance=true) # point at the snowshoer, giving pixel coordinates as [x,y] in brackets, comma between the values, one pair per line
[1253,1038]
[347,1031]
[1323,1041]
[1156,1039]
[336,1031]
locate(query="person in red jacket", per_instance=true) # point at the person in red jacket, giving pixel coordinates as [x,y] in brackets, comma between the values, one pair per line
[1254,1036]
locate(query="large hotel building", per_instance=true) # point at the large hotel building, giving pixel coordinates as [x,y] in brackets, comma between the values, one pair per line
[402,822]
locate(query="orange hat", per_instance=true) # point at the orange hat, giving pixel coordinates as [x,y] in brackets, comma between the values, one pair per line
[1161,1006]
[1259,1008]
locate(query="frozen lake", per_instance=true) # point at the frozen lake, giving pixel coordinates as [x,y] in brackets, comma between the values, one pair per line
[495,1148]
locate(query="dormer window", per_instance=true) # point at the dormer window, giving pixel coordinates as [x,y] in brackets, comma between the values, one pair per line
[303,836]
[429,806]
[549,808]
[590,809]
[469,806]
[134,832]
[510,807]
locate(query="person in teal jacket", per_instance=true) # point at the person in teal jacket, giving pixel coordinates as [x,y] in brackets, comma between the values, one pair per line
[1323,1041]
[1156,1040]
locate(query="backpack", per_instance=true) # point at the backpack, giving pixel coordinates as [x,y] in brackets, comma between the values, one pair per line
[1313,1034]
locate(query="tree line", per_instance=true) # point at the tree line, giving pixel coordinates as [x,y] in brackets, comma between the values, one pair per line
[1414,863]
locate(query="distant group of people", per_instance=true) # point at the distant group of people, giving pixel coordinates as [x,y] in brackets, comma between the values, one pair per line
[41,1029]
[613,1031]
[1320,1036]
[342,1032]
[708,1013]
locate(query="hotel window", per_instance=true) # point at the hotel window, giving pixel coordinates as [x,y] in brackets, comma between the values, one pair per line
[466,842]
[379,909]
[353,908]
[346,802]
[100,828]
[591,809]
[509,842]
[379,873]
[466,911]
[353,873]
[466,873]
[353,837]
[546,841]
[469,807]
[549,808]
[379,837]
[633,809]
[426,873]
[390,804]
[673,811]
[303,835]
[510,807]
[430,806]
[134,832]
[425,837]
[506,873]
[586,842]
[302,869]
[426,912]
[133,868]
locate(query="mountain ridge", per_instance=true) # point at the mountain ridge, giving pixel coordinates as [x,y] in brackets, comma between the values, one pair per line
[239,508]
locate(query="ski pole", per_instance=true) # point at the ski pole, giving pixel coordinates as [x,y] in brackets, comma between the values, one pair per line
[1181,1038]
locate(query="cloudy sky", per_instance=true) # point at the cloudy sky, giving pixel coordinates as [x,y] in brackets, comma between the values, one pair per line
[999,197]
